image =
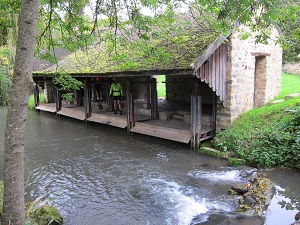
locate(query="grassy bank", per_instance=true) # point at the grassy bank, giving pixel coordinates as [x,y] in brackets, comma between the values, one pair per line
[290,84]
[268,136]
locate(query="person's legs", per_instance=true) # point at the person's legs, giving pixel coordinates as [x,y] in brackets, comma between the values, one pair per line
[120,106]
[115,106]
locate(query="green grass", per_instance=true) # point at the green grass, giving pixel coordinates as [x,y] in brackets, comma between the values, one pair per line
[161,86]
[268,136]
[290,84]
[31,104]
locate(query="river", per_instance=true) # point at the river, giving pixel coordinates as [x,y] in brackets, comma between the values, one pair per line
[97,174]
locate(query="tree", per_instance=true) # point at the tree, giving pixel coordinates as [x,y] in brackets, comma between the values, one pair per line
[13,207]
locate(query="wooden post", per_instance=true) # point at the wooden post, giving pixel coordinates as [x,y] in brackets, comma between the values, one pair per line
[199,113]
[132,110]
[128,103]
[196,112]
[154,108]
[87,98]
[57,98]
[193,122]
[148,93]
[36,93]
[79,98]
[214,113]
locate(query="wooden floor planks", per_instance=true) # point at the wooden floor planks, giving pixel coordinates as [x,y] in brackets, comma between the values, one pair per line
[174,130]
[111,119]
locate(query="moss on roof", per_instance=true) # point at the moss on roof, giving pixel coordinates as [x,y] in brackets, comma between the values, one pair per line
[177,49]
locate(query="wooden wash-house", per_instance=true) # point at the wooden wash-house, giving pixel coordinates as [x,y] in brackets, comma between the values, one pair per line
[210,79]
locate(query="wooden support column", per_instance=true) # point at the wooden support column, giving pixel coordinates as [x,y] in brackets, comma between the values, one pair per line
[36,93]
[128,103]
[154,107]
[199,113]
[148,93]
[193,121]
[87,98]
[196,112]
[214,113]
[130,112]
[57,98]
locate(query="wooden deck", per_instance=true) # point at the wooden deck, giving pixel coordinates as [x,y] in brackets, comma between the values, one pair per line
[73,112]
[170,130]
[175,130]
[109,118]
[51,107]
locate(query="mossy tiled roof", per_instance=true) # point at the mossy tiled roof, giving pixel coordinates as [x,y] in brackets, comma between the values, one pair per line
[176,50]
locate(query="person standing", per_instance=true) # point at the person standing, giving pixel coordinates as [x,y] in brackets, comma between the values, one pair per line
[116,92]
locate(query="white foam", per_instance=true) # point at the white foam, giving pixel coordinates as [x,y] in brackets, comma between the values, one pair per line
[216,175]
[183,207]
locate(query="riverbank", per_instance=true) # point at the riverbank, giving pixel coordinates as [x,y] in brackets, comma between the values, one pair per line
[264,137]
[267,136]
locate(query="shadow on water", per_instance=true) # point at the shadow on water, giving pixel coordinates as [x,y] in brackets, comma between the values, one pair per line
[97,174]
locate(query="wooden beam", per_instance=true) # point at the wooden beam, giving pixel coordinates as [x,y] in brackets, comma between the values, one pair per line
[181,71]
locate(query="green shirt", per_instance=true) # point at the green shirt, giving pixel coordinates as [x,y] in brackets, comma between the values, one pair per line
[116,89]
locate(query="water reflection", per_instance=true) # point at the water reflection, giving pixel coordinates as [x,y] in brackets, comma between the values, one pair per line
[97,174]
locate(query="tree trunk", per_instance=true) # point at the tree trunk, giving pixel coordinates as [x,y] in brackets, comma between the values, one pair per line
[13,207]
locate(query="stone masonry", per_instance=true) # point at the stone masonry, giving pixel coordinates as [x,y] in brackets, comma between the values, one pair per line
[253,77]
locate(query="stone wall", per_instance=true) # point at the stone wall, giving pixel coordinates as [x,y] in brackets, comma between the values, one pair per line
[179,89]
[253,77]
[48,92]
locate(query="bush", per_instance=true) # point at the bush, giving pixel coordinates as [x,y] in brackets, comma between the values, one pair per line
[269,136]
[5,86]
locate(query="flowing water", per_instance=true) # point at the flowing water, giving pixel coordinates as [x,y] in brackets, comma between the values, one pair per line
[96,174]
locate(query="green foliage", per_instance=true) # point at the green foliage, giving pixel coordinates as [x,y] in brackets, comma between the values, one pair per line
[209,151]
[67,84]
[260,17]
[46,215]
[6,60]
[8,10]
[41,212]
[236,162]
[268,136]
[5,87]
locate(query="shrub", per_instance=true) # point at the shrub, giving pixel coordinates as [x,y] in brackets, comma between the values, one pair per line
[269,136]
[5,86]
